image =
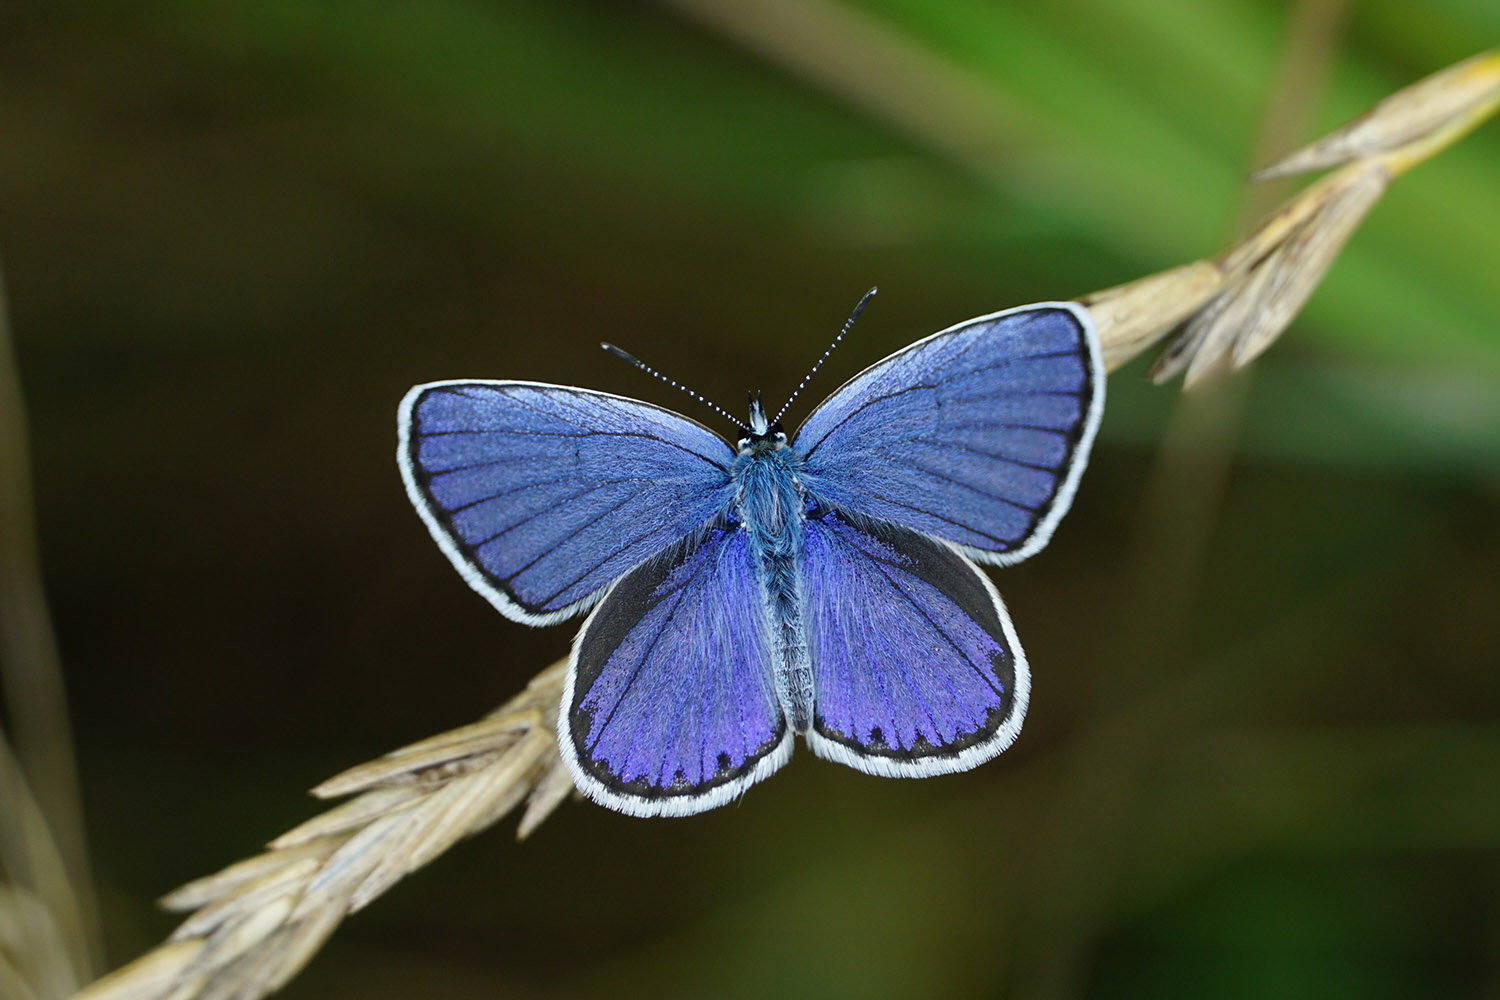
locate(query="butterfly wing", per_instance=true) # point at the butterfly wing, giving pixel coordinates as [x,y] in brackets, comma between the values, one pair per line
[915,663]
[542,495]
[669,707]
[977,434]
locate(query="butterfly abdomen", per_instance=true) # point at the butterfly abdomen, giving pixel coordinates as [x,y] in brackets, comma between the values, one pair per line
[770,505]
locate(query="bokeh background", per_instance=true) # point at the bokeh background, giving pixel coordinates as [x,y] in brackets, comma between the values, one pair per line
[1263,754]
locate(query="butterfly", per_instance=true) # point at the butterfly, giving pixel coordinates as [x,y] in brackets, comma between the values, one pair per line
[820,584]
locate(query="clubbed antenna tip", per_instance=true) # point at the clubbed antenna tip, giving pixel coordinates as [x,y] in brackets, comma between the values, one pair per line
[622,355]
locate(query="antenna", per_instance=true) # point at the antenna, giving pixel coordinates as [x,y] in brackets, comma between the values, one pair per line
[624,356]
[808,377]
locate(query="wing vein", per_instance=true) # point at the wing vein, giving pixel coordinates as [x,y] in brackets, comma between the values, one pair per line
[678,598]
[940,631]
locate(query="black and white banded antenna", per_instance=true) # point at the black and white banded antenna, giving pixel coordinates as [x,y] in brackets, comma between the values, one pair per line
[632,359]
[808,377]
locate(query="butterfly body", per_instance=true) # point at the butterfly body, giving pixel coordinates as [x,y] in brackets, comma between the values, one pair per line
[769,506]
[821,585]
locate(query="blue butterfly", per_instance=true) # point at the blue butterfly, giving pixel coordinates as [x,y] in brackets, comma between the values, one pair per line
[822,584]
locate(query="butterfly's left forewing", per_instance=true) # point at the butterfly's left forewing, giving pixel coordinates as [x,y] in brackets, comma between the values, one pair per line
[669,706]
[543,495]
[916,667]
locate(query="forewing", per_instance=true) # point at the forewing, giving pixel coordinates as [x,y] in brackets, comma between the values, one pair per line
[977,434]
[541,495]
[669,706]
[916,666]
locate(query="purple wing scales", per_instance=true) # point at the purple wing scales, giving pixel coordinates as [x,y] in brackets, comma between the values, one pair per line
[977,434]
[916,666]
[542,495]
[670,706]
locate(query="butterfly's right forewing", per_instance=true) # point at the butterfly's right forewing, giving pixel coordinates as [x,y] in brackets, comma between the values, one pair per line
[977,434]
[543,495]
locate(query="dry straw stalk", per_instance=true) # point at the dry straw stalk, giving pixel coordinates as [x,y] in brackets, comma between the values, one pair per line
[1226,311]
[255,924]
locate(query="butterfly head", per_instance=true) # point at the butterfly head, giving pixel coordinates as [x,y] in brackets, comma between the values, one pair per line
[761,435]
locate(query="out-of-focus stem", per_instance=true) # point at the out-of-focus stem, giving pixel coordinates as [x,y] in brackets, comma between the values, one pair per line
[32,672]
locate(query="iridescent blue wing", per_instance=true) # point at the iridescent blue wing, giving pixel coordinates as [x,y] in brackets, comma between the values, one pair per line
[669,707]
[542,495]
[977,434]
[915,664]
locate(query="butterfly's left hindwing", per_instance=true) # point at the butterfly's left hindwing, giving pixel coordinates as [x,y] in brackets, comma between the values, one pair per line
[669,707]
[916,666]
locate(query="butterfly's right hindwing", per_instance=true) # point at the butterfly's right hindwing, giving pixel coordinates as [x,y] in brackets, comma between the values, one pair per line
[916,666]
[669,707]
[543,495]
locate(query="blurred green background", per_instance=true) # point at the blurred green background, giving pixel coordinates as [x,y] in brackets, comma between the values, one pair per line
[1263,752]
